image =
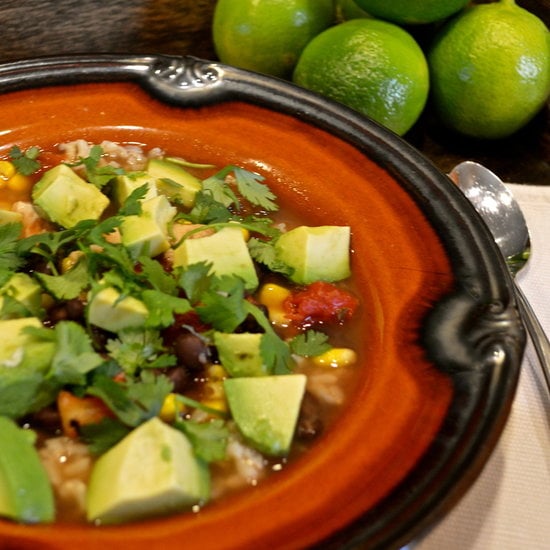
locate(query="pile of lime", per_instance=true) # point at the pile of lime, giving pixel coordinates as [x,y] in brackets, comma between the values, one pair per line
[485,70]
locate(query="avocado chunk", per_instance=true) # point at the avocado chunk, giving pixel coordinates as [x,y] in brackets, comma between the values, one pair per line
[152,471]
[20,349]
[240,353]
[66,199]
[110,311]
[174,181]
[266,409]
[126,184]
[316,253]
[147,233]
[24,361]
[26,494]
[225,250]
[25,290]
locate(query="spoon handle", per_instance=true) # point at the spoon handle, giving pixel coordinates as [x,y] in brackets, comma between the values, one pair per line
[536,332]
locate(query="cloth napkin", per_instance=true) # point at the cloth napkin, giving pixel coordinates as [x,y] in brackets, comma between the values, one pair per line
[508,507]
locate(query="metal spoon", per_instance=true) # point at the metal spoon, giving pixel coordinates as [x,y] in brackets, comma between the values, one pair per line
[504,218]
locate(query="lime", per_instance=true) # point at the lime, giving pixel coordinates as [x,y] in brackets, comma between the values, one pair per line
[267,36]
[490,69]
[372,66]
[348,9]
[412,11]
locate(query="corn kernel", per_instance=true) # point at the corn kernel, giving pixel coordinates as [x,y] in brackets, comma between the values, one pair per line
[19,183]
[171,408]
[68,262]
[336,357]
[216,372]
[7,170]
[272,296]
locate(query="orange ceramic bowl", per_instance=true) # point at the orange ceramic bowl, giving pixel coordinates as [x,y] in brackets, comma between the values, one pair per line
[440,335]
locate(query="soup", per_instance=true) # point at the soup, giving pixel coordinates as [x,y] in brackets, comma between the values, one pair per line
[165,309]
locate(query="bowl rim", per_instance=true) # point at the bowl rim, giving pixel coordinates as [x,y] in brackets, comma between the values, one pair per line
[485,375]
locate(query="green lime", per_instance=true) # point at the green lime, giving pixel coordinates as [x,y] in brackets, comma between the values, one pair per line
[490,69]
[267,36]
[348,9]
[412,11]
[372,66]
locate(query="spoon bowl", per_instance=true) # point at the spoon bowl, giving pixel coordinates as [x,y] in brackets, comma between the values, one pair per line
[503,216]
[496,205]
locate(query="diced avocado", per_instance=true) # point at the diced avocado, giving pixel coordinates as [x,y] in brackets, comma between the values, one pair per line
[24,289]
[124,186]
[19,349]
[26,494]
[66,199]
[226,250]
[266,409]
[152,471]
[24,361]
[147,233]
[174,181]
[8,216]
[109,310]
[316,253]
[240,354]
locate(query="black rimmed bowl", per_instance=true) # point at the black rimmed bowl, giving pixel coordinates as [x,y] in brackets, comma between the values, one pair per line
[440,339]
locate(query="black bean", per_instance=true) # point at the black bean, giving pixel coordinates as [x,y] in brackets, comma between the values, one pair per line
[191,350]
[180,377]
[71,310]
[47,419]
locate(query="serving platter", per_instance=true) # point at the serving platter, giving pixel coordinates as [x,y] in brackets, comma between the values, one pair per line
[442,341]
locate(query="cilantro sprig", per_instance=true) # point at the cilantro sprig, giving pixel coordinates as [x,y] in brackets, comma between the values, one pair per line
[25,162]
[97,174]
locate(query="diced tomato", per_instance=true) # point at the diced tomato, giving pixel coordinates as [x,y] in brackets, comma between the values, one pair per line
[320,302]
[80,411]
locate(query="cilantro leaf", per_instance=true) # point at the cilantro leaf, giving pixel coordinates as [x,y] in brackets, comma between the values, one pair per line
[153,272]
[220,191]
[102,436]
[48,245]
[132,204]
[310,343]
[74,355]
[26,162]
[264,253]
[275,351]
[195,280]
[137,349]
[223,305]
[209,439]
[12,308]
[95,173]
[68,285]
[9,237]
[250,187]
[162,308]
[132,401]
[208,209]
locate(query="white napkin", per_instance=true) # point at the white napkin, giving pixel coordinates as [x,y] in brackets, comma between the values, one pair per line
[508,507]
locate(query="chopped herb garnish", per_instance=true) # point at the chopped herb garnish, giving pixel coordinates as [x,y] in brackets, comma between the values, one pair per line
[25,162]
[310,343]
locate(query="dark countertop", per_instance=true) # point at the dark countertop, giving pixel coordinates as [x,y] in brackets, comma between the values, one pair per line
[41,27]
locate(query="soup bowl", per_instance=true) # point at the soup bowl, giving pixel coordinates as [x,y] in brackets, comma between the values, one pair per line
[438,334]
